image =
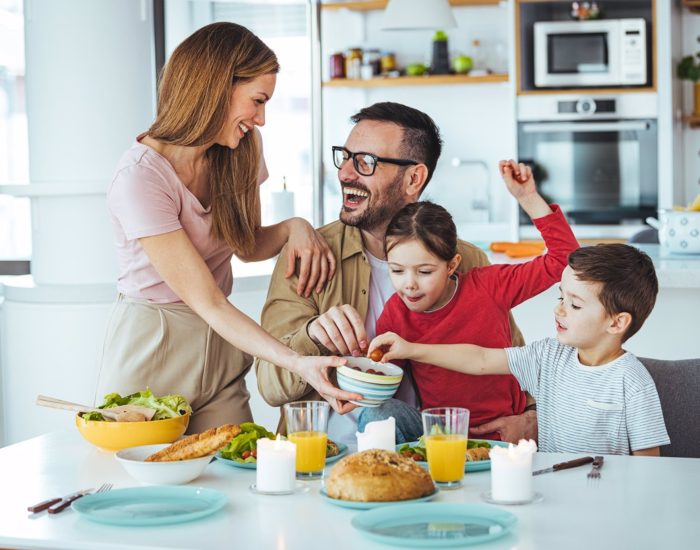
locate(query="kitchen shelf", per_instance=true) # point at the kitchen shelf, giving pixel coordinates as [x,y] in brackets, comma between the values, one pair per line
[428,80]
[693,121]
[692,5]
[581,91]
[381,4]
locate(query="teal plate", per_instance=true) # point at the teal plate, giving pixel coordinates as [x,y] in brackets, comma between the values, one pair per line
[434,525]
[369,505]
[140,506]
[342,448]
[478,466]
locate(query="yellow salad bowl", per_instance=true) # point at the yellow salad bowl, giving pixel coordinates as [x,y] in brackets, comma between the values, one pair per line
[115,436]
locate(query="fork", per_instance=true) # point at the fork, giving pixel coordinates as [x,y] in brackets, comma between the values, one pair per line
[594,474]
[64,503]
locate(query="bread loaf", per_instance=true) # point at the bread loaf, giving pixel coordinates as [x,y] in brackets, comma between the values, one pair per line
[378,476]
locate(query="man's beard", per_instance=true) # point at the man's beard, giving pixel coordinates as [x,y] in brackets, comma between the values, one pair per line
[379,214]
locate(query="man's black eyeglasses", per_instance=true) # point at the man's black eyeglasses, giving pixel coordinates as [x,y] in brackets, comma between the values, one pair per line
[364,163]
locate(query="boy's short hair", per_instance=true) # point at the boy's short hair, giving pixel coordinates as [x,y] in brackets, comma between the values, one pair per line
[627,278]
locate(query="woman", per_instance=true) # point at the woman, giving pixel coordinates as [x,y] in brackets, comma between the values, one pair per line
[184,199]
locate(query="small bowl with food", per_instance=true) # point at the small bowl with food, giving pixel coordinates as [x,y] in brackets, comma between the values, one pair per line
[180,462]
[171,418]
[375,381]
[133,460]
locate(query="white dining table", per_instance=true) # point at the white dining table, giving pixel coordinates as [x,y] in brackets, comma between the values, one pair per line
[639,503]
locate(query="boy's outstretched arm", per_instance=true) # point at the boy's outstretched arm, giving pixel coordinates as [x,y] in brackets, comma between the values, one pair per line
[465,358]
[521,184]
[652,451]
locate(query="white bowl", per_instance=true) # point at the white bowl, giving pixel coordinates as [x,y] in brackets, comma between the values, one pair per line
[134,462]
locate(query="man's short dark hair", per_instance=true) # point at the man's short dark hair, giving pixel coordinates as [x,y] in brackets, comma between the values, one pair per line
[421,137]
[627,278]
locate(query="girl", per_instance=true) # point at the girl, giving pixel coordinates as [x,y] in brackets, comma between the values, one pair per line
[433,305]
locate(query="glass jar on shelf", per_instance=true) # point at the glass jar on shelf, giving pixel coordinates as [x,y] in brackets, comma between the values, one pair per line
[353,63]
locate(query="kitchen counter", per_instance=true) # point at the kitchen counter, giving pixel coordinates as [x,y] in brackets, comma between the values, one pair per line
[672,270]
[640,502]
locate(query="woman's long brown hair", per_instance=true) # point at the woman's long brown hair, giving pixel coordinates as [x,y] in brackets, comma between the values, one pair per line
[193,101]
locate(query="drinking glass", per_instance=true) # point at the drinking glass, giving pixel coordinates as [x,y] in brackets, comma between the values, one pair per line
[446,430]
[307,427]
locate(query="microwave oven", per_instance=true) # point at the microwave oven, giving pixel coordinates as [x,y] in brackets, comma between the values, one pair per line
[610,52]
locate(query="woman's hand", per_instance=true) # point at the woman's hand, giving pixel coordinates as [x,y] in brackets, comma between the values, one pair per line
[317,262]
[393,346]
[315,371]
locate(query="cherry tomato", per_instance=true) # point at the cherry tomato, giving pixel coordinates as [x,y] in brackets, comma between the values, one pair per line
[417,457]
[371,371]
[376,355]
[255,453]
[245,454]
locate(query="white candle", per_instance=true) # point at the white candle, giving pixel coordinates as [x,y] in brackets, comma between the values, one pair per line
[378,435]
[511,471]
[276,468]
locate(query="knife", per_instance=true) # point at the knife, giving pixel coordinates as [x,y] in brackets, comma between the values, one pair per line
[565,465]
[55,505]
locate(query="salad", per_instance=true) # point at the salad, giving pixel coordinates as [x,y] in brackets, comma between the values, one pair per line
[243,447]
[167,406]
[418,452]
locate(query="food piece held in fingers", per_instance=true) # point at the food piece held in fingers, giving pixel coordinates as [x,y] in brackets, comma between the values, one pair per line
[197,445]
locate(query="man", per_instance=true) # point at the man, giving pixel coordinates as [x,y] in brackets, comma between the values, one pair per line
[386,163]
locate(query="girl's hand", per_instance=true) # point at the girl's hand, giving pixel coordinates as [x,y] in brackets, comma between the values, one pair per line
[315,371]
[518,178]
[316,260]
[393,346]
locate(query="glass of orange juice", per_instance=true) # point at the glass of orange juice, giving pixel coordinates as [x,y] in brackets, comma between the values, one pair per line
[446,430]
[307,426]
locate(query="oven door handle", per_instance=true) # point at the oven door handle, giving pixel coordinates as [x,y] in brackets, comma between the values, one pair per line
[539,127]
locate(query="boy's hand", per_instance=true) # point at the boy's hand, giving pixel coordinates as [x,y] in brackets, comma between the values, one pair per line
[521,184]
[393,346]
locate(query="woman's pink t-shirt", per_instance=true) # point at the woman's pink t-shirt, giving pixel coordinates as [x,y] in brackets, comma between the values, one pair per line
[147,198]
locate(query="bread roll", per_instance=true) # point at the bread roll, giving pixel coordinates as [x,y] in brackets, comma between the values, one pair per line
[378,476]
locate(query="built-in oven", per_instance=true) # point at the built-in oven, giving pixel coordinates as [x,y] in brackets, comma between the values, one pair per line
[594,156]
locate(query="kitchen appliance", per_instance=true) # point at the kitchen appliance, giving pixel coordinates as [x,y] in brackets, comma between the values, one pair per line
[610,52]
[594,156]
[679,231]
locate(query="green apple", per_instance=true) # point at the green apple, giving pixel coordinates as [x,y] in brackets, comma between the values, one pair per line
[462,64]
[416,69]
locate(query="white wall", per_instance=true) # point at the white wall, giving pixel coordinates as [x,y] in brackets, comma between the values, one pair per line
[690,183]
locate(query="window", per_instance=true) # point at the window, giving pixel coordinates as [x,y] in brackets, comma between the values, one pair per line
[15,225]
[283,26]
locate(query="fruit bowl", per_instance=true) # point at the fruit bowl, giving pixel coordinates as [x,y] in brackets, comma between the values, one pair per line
[376,382]
[114,436]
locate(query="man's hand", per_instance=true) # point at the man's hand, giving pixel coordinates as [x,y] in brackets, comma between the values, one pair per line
[340,330]
[511,428]
[315,371]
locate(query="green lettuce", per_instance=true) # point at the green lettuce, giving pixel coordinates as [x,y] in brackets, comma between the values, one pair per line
[247,440]
[167,406]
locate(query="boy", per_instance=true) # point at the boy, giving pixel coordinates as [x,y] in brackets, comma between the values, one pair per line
[592,396]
